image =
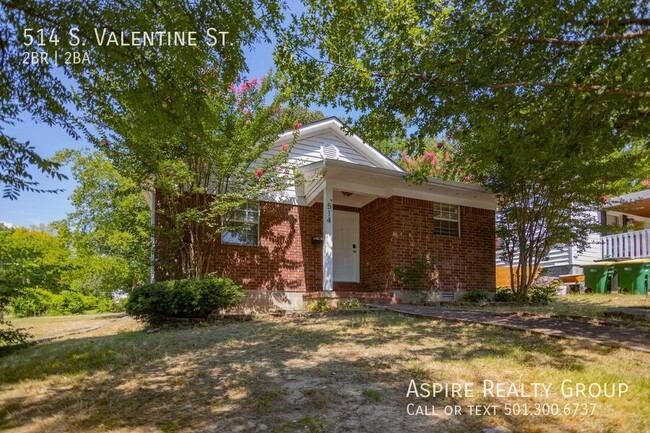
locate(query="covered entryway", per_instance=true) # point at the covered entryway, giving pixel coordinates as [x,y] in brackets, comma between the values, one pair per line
[346,246]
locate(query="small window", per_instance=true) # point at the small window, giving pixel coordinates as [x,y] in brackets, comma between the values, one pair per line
[241,227]
[613,220]
[445,220]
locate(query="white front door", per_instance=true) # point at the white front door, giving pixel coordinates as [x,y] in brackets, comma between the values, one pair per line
[346,246]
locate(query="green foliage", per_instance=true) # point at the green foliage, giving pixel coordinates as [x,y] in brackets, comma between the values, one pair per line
[476,296]
[40,302]
[545,104]
[165,86]
[15,160]
[543,294]
[10,335]
[421,274]
[504,294]
[31,259]
[320,305]
[229,161]
[187,298]
[108,305]
[349,304]
[69,302]
[33,303]
[109,228]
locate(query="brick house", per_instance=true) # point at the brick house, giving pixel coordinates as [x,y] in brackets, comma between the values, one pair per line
[343,231]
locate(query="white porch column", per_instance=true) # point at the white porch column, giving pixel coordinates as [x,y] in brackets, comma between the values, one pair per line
[328,238]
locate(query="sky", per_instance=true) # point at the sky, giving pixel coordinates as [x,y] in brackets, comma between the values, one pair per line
[35,209]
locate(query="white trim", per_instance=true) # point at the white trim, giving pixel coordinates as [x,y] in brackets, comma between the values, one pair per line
[627,198]
[334,125]
[328,235]
[387,183]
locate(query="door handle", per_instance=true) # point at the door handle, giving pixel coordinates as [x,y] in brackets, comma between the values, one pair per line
[354,246]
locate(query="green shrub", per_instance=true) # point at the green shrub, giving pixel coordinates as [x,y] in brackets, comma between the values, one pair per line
[349,304]
[422,274]
[68,302]
[504,294]
[188,298]
[543,294]
[476,296]
[108,305]
[319,305]
[36,302]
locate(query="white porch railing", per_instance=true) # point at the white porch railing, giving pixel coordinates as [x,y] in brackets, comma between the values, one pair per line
[632,245]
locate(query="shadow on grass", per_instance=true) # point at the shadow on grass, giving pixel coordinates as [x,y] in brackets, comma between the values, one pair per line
[235,376]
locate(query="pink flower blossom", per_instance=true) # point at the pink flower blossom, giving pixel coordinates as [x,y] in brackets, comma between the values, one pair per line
[297,125]
[468,178]
[431,156]
[285,147]
[246,111]
[605,199]
[645,182]
[440,145]
[259,173]
[103,143]
[408,160]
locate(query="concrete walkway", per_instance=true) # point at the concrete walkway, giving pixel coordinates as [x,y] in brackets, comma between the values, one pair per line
[630,338]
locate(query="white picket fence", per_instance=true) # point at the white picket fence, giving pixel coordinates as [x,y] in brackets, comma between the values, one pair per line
[632,245]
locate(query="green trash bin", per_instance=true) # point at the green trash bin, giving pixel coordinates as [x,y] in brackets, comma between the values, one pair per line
[598,276]
[634,275]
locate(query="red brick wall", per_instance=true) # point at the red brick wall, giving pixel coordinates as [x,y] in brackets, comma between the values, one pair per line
[286,259]
[465,262]
[391,231]
[376,229]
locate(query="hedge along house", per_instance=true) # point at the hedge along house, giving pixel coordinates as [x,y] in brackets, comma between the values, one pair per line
[343,230]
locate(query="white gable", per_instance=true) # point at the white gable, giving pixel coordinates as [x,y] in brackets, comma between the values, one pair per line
[325,146]
[325,140]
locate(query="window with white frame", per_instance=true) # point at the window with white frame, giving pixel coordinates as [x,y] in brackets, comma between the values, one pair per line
[446,220]
[242,225]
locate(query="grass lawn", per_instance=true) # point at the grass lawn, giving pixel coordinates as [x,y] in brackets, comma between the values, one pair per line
[588,305]
[329,374]
[49,326]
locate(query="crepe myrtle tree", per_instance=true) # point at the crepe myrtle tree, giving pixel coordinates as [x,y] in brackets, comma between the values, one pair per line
[201,177]
[108,79]
[548,101]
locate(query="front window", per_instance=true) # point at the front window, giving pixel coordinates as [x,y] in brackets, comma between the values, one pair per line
[446,221]
[241,226]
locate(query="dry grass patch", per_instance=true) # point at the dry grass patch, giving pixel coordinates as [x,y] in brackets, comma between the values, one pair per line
[588,305]
[49,326]
[332,374]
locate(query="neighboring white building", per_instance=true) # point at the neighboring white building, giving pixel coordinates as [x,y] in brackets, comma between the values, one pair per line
[630,210]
